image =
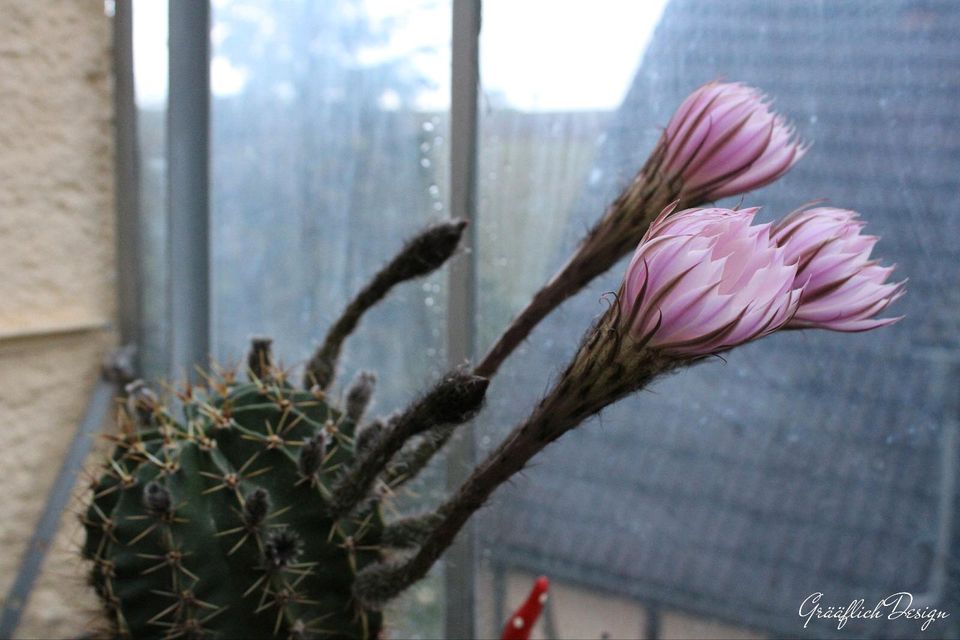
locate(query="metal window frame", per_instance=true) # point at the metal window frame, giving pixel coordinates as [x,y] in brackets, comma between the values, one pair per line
[188,186]
[461,559]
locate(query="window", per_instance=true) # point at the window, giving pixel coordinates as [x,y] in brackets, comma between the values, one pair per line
[809,462]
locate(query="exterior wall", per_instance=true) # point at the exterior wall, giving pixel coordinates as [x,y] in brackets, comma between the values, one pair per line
[582,613]
[679,626]
[57,266]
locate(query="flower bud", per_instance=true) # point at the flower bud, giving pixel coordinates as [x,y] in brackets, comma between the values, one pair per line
[311,455]
[157,500]
[359,395]
[724,140]
[843,289]
[706,280]
[256,506]
[429,250]
[260,360]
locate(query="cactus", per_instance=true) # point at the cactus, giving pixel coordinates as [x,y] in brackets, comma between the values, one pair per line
[247,507]
[217,521]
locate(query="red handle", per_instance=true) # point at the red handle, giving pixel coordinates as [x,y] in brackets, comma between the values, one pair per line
[521,623]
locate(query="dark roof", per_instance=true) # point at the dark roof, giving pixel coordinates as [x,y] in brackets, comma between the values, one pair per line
[811,461]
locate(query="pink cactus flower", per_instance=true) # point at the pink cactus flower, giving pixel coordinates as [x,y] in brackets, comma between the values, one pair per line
[724,140]
[843,289]
[706,280]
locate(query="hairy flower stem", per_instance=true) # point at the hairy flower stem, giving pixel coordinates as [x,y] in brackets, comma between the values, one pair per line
[607,368]
[416,454]
[455,399]
[614,236]
[426,252]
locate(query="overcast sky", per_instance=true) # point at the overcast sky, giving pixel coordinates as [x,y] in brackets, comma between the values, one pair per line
[536,55]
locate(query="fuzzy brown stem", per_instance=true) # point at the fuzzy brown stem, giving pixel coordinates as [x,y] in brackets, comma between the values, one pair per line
[416,455]
[455,399]
[425,253]
[614,236]
[603,371]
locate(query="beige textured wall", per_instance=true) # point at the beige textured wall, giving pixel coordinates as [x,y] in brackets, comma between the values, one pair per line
[56,272]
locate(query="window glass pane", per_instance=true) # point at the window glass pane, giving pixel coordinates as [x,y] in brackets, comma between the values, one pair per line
[328,145]
[150,74]
[809,461]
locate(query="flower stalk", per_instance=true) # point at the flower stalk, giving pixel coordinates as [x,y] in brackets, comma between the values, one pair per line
[608,366]
[424,253]
[615,235]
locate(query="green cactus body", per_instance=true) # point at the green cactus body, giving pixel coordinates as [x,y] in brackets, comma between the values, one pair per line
[216,525]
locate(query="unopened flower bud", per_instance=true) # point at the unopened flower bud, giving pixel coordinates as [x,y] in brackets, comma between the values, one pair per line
[724,140]
[366,436]
[706,280]
[359,395]
[142,402]
[843,288]
[256,506]
[156,499]
[311,455]
[260,360]
[429,250]
[455,399]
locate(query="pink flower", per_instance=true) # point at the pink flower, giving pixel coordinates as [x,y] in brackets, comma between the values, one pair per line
[843,289]
[704,280]
[724,140]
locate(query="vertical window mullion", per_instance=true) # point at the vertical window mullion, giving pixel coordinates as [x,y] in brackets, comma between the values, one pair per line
[188,153]
[460,561]
[127,181]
